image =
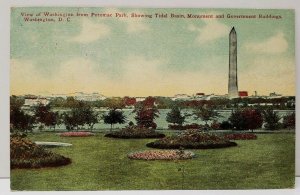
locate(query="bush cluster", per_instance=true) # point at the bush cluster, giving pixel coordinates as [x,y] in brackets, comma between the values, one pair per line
[135,132]
[161,155]
[194,139]
[26,154]
[241,136]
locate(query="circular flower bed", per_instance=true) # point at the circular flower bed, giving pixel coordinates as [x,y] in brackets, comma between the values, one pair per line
[135,132]
[192,139]
[161,155]
[77,134]
[241,136]
[26,154]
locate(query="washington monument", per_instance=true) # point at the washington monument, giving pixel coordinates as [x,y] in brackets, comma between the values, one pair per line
[232,80]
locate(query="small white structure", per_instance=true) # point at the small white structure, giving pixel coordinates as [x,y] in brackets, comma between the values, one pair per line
[140,99]
[181,97]
[89,97]
[35,100]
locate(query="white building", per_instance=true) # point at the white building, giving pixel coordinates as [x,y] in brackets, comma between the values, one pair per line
[88,97]
[181,97]
[31,101]
[140,99]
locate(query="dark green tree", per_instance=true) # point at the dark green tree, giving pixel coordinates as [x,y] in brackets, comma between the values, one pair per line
[271,119]
[19,120]
[45,116]
[289,121]
[81,114]
[90,117]
[174,116]
[52,120]
[205,113]
[114,116]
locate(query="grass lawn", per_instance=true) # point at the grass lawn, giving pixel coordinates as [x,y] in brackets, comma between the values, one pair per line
[100,163]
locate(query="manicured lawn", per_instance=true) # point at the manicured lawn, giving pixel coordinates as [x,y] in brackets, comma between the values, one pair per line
[100,163]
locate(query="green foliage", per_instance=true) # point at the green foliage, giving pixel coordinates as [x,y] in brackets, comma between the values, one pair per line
[246,119]
[19,120]
[225,125]
[174,116]
[45,116]
[71,102]
[113,117]
[164,102]
[204,113]
[79,116]
[114,103]
[271,118]
[289,121]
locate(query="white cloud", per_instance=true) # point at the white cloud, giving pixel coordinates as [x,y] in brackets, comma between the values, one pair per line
[275,44]
[266,74]
[77,71]
[212,30]
[136,25]
[91,31]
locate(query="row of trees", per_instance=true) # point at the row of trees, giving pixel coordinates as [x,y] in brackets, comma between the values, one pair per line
[240,119]
[167,102]
[82,114]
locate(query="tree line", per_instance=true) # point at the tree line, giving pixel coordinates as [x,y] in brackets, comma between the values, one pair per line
[79,116]
[82,114]
[287,103]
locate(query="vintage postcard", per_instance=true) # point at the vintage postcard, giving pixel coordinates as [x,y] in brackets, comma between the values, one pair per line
[152,99]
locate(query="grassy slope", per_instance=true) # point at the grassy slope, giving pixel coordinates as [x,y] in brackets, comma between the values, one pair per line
[100,163]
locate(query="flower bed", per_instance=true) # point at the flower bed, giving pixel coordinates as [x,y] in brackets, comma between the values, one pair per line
[193,139]
[77,134]
[241,136]
[135,132]
[161,155]
[26,154]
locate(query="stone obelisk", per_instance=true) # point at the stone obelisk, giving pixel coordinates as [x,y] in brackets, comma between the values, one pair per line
[232,81]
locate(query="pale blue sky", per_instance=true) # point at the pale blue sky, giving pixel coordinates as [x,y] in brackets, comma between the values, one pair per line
[141,57]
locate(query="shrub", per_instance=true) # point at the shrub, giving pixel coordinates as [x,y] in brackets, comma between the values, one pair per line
[289,121]
[175,116]
[205,113]
[225,125]
[77,134]
[271,119]
[192,139]
[161,155]
[215,125]
[241,136]
[26,154]
[135,132]
[246,119]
